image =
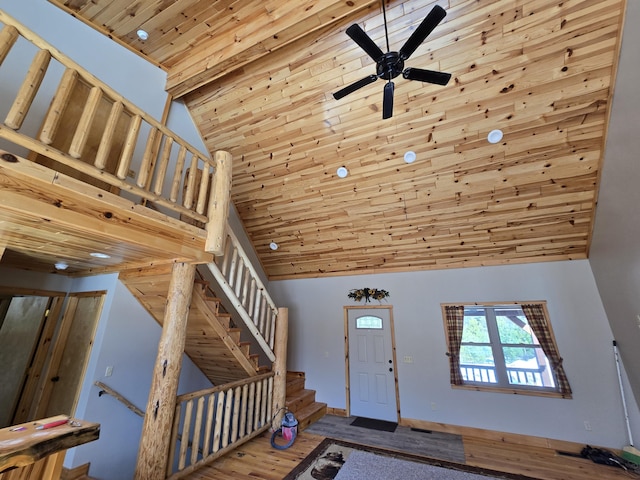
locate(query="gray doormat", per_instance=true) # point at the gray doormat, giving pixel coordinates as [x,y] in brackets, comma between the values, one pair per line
[373,424]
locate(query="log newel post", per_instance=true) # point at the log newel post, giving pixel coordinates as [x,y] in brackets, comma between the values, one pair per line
[156,429]
[219,203]
[280,365]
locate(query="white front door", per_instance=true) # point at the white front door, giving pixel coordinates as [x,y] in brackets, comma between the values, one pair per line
[372,386]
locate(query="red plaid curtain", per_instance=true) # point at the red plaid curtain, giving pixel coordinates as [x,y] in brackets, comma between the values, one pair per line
[454,318]
[538,322]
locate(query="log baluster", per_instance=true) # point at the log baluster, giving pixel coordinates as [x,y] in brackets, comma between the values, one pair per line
[197,431]
[163,165]
[8,37]
[186,430]
[129,147]
[187,201]
[106,142]
[28,90]
[84,124]
[218,427]
[177,175]
[203,190]
[58,104]
[148,159]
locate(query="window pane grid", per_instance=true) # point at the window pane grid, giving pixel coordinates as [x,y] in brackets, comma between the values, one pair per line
[498,348]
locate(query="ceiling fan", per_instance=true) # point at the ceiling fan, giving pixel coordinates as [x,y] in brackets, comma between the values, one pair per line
[391,64]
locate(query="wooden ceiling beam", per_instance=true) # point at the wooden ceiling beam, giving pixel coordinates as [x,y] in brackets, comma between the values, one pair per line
[245,42]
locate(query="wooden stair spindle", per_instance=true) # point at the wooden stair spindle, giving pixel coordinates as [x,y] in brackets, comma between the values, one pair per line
[59,103]
[28,90]
[8,37]
[106,141]
[84,124]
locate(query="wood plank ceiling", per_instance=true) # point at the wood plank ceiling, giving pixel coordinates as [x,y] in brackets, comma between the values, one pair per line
[258,75]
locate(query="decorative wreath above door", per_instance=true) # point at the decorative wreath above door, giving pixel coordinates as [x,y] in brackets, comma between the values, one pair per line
[367,294]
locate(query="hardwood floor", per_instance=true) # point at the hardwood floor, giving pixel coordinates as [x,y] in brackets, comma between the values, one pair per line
[258,460]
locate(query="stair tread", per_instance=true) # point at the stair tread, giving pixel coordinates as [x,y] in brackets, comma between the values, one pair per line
[311,413]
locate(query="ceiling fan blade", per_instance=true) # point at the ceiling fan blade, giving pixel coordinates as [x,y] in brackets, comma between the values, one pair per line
[387,101]
[429,76]
[364,41]
[431,21]
[354,86]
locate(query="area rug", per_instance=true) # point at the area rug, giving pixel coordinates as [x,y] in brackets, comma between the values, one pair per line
[373,424]
[339,460]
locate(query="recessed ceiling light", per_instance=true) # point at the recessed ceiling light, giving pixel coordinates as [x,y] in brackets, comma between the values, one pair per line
[273,246]
[99,255]
[61,266]
[410,157]
[342,172]
[494,136]
[142,35]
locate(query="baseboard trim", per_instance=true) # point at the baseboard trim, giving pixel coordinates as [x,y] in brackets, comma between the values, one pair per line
[507,438]
[338,412]
[75,473]
[492,435]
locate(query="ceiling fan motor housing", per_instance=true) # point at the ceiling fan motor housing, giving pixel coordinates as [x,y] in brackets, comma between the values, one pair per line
[389,66]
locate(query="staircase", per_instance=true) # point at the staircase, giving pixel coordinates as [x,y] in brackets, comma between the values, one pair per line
[213,340]
[302,402]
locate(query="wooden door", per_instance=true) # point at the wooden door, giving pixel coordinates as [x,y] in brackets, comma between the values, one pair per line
[71,353]
[21,322]
[372,365]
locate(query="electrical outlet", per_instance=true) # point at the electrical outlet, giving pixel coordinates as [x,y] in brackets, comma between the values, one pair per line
[434,406]
[109,371]
[587,426]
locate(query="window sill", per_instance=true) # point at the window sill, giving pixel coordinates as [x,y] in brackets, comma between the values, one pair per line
[513,391]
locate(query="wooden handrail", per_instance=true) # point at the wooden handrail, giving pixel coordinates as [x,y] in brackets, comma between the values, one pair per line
[110,391]
[241,283]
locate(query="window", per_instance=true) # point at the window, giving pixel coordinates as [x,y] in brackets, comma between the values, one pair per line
[504,347]
[369,322]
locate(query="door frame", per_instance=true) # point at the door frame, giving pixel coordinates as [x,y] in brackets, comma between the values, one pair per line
[346,310]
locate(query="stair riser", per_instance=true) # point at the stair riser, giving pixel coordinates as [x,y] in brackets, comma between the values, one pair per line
[297,403]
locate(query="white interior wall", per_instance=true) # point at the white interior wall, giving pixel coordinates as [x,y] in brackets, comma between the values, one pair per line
[316,347]
[615,250]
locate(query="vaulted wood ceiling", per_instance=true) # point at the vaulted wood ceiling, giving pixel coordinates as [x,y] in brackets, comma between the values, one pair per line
[258,78]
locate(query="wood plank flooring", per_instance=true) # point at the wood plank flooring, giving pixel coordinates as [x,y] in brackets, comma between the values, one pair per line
[258,460]
[428,443]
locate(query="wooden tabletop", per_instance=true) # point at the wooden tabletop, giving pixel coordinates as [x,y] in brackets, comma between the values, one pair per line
[29,442]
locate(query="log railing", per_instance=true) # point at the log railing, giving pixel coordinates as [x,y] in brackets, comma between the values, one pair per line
[516,376]
[213,422]
[240,282]
[166,165]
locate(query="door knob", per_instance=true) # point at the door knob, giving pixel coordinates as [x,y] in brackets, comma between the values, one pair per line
[390,369]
